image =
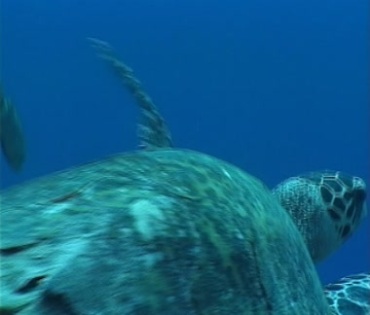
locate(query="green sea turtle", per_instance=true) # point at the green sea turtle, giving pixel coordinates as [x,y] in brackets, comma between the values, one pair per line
[160,231]
[11,134]
[326,206]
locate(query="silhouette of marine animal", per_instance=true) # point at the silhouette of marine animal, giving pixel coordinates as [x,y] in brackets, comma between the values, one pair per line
[11,134]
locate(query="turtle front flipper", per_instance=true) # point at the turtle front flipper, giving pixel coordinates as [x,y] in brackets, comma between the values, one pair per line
[350,295]
[152,131]
[11,134]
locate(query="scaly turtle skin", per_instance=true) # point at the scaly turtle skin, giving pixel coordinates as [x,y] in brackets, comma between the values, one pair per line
[327,207]
[350,295]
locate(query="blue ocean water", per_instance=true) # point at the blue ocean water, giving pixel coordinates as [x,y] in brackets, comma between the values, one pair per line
[275,87]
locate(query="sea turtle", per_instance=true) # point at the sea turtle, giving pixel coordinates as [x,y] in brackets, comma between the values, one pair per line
[160,231]
[11,134]
[326,206]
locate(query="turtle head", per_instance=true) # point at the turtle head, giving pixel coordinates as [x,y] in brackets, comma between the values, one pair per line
[326,206]
[344,197]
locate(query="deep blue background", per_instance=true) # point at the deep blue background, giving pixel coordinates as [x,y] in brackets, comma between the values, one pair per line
[275,87]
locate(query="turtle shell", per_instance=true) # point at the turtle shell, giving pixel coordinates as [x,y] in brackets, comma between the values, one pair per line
[153,232]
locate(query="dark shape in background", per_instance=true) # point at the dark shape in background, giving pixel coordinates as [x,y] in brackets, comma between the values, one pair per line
[11,134]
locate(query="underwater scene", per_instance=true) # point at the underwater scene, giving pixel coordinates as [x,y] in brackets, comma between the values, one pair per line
[184,157]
